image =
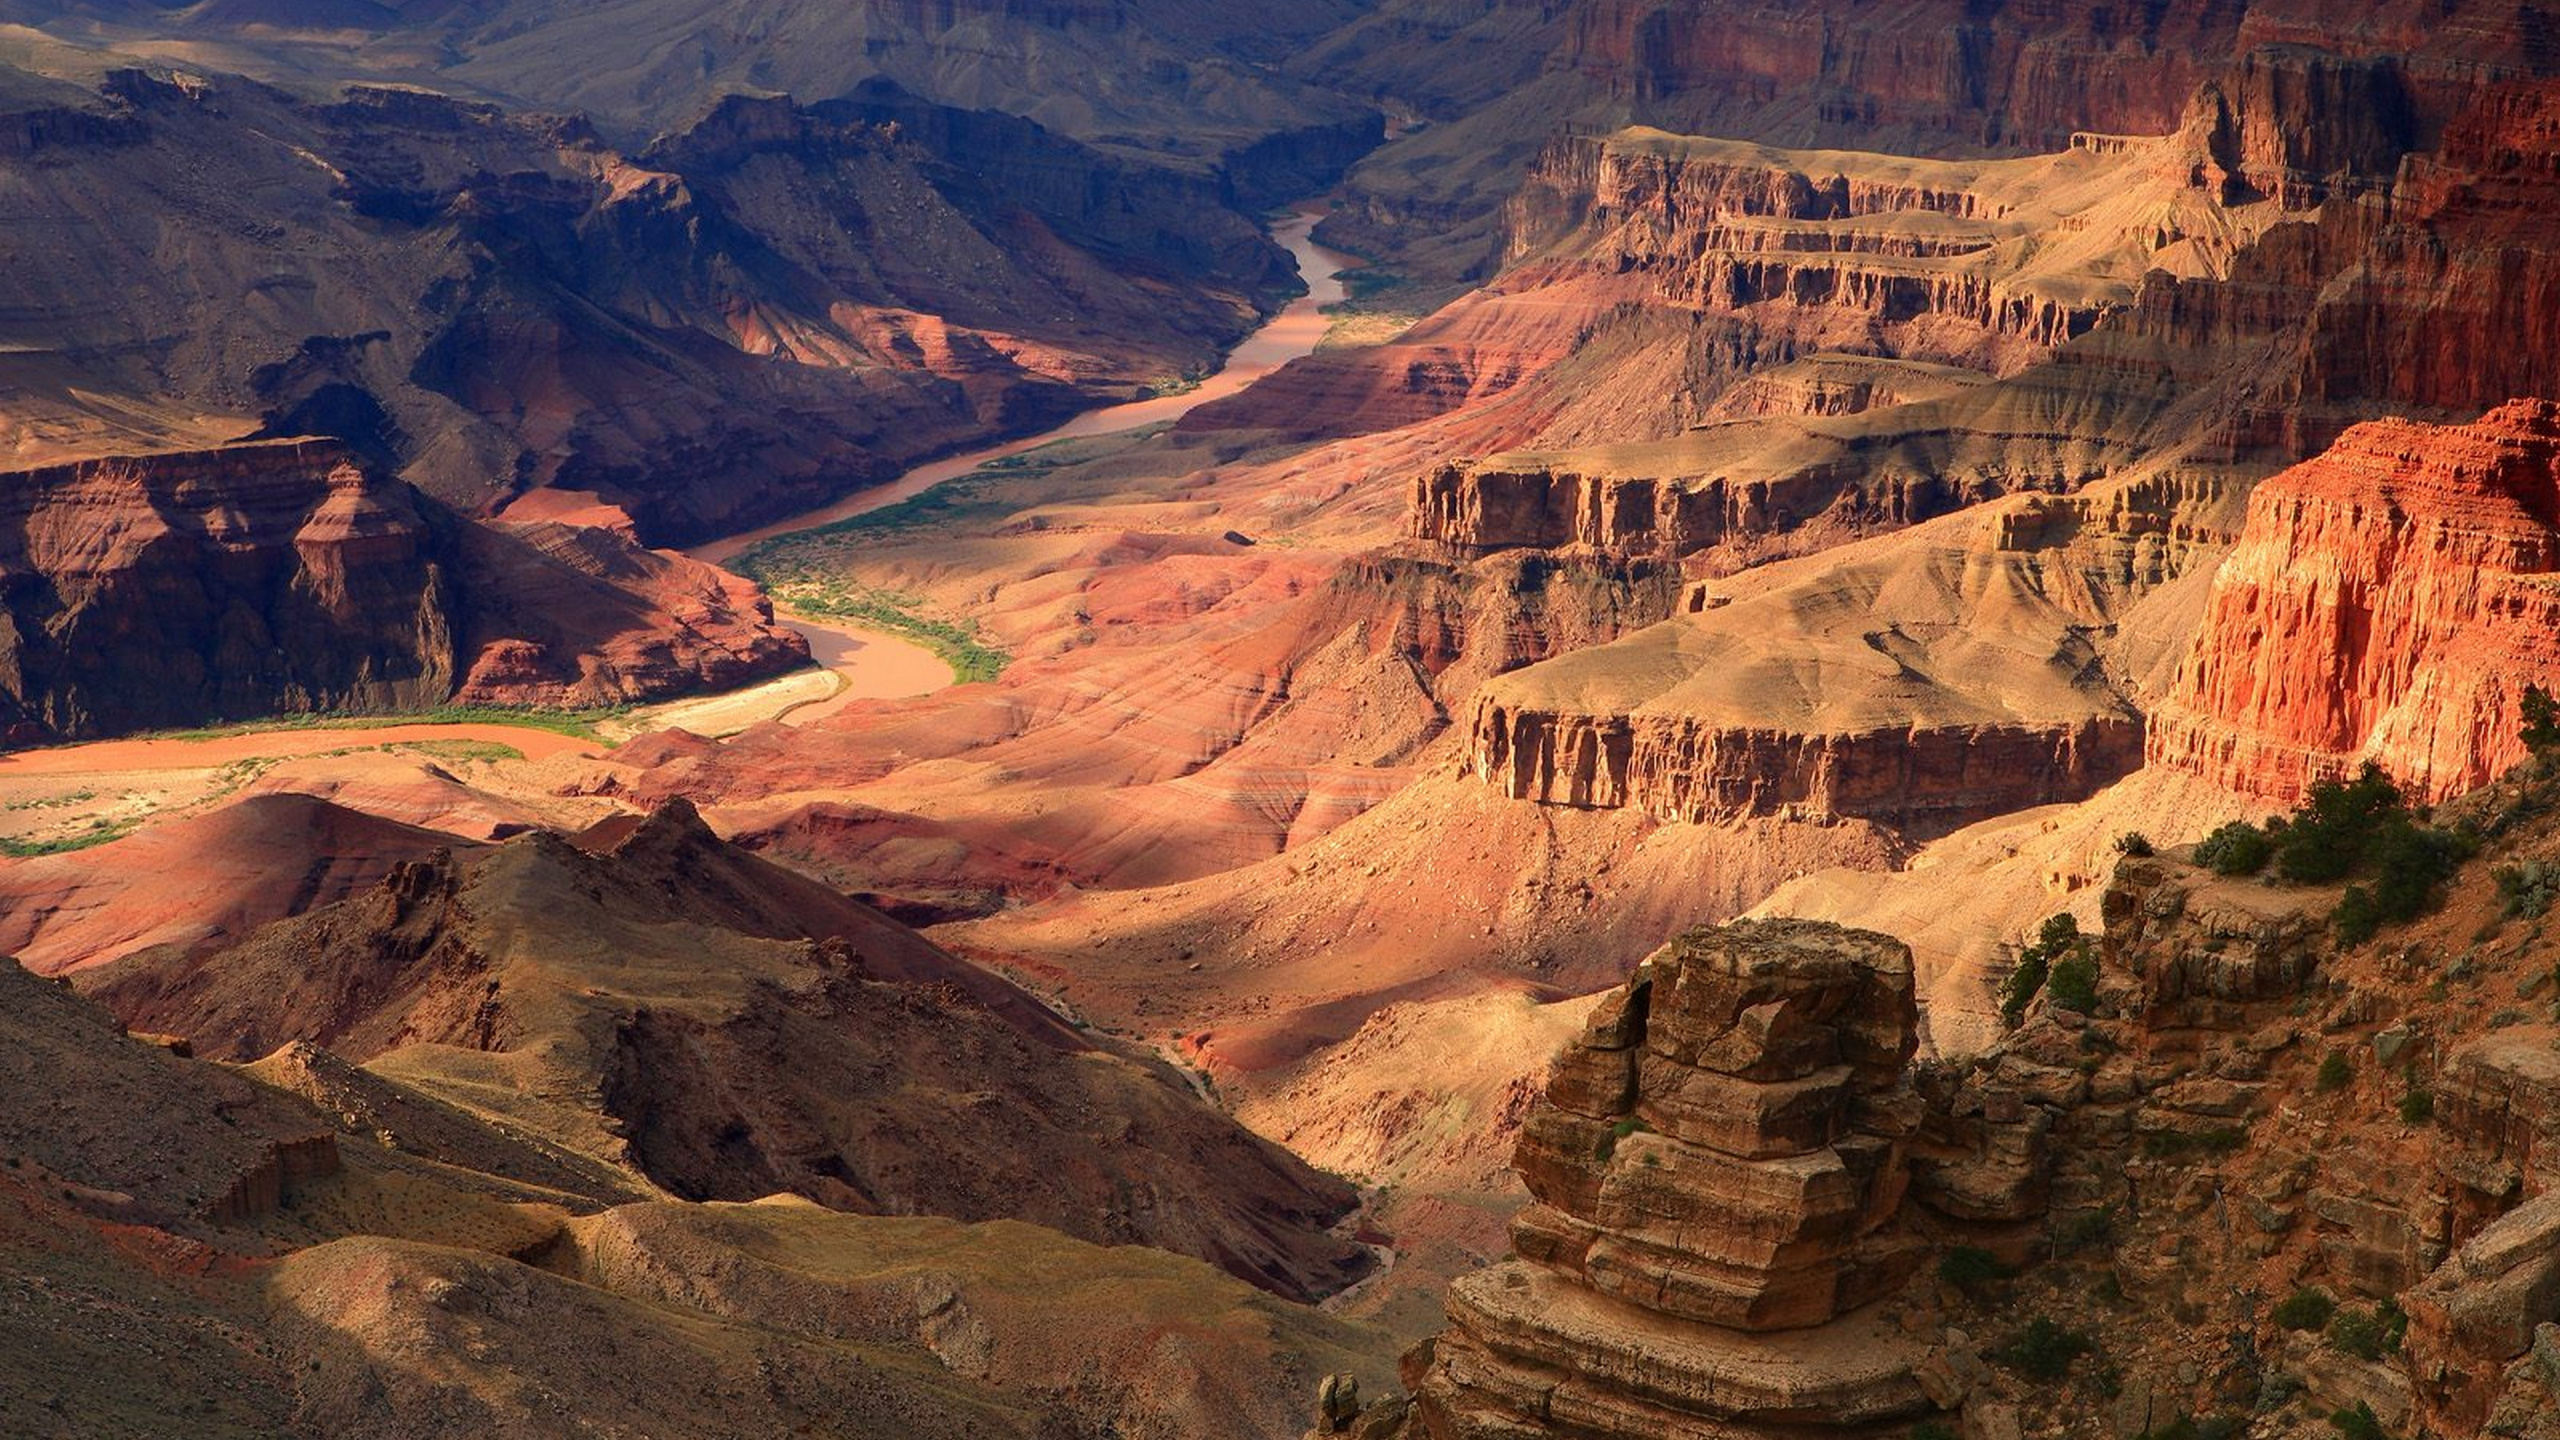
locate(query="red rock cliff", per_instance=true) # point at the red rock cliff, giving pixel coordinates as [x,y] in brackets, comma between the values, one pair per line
[2388,600]
[161,590]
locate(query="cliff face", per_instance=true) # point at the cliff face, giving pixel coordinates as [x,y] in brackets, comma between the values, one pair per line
[1923,315]
[1976,665]
[1920,777]
[280,576]
[2389,600]
[1735,1177]
[1718,1157]
[2318,241]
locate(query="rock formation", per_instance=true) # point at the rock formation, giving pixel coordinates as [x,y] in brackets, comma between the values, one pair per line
[163,590]
[1716,1177]
[661,1003]
[305,1247]
[769,305]
[2388,601]
[1956,673]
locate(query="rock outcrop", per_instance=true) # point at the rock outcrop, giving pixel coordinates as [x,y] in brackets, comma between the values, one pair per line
[1957,673]
[162,590]
[1716,1175]
[651,1000]
[2387,601]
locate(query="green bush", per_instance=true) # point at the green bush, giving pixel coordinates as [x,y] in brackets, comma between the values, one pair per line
[2073,981]
[2044,1350]
[1620,1129]
[2541,716]
[2135,844]
[2527,888]
[1969,1265]
[2176,1144]
[2357,918]
[2089,1227]
[2337,1072]
[2327,838]
[2058,953]
[2358,1423]
[2370,1334]
[2418,1106]
[2025,981]
[2187,1427]
[2238,848]
[1933,1430]
[2306,1309]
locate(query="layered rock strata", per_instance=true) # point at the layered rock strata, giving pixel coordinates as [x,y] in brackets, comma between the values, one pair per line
[2387,601]
[1716,1175]
[1975,667]
[244,580]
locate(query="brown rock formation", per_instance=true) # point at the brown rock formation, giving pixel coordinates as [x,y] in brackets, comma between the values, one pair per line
[652,999]
[766,307]
[281,576]
[1721,1157]
[1957,672]
[2387,601]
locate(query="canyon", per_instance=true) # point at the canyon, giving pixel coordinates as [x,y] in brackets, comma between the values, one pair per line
[1582,679]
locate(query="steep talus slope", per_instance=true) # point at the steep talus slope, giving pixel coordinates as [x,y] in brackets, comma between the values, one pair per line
[727,1029]
[172,589]
[2389,600]
[765,307]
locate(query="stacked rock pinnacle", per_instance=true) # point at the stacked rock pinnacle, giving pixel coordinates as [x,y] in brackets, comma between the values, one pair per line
[1717,1173]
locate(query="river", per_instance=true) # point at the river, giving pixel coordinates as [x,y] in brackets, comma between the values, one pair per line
[871,664]
[1283,338]
[878,665]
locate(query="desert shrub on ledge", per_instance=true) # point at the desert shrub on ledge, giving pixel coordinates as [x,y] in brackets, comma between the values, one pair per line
[2361,829]
[2060,963]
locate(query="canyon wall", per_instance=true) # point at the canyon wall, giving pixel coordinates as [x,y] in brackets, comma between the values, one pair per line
[280,576]
[2390,601]
[1914,777]
[765,307]
[1755,1214]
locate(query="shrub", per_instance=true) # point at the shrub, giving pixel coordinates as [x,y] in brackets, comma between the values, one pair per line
[2238,848]
[2357,917]
[2135,844]
[2044,1350]
[2541,716]
[2089,1227]
[2073,982]
[2187,1427]
[1933,1430]
[2358,1423]
[2328,836]
[2527,888]
[2019,988]
[2337,1072]
[2370,1334]
[2173,1144]
[1969,1265]
[2306,1309]
[1623,1127]
[2418,1106]
[2059,962]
